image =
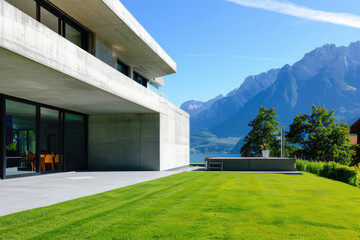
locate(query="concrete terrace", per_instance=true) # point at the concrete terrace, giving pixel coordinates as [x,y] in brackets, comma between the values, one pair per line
[20,194]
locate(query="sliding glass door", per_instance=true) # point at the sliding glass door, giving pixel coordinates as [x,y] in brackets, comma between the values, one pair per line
[51,158]
[20,139]
[39,139]
[75,142]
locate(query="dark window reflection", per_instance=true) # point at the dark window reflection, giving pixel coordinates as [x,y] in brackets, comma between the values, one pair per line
[141,80]
[49,20]
[74,142]
[20,138]
[73,35]
[50,156]
[121,67]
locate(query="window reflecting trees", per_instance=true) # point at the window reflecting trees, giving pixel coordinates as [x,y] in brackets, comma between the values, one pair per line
[39,139]
[20,143]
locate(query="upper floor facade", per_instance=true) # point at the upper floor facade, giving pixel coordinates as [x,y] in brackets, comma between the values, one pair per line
[106,30]
[87,56]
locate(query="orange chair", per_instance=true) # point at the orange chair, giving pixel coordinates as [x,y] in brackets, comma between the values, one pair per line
[42,162]
[57,162]
[49,159]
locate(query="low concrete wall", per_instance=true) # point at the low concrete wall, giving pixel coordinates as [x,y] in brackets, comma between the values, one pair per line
[174,136]
[124,142]
[253,164]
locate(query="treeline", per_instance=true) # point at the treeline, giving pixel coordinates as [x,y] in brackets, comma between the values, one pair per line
[315,137]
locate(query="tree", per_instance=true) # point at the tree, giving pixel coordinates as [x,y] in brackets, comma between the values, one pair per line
[320,137]
[264,130]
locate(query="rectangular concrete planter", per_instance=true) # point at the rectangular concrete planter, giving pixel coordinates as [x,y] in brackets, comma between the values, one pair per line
[252,164]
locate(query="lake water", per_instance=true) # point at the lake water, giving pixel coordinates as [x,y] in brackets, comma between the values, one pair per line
[200,158]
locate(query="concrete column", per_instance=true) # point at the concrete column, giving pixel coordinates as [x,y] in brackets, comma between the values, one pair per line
[131,72]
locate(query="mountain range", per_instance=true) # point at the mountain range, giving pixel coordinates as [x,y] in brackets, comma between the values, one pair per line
[327,76]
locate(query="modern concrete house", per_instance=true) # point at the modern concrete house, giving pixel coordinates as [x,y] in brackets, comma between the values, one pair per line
[73,84]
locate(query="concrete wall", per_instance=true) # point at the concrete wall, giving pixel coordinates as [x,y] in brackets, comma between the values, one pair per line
[124,142]
[140,141]
[174,136]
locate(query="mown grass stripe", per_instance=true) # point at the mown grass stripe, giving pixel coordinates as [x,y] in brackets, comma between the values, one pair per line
[201,205]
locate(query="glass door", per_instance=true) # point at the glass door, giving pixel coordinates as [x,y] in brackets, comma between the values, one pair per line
[74,142]
[20,140]
[51,158]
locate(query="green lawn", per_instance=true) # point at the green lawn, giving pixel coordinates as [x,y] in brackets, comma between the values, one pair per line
[201,205]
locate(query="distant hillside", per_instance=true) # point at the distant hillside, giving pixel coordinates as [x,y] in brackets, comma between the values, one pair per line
[194,107]
[205,142]
[328,76]
[228,106]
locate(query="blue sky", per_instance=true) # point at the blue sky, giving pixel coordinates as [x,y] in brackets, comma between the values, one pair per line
[217,43]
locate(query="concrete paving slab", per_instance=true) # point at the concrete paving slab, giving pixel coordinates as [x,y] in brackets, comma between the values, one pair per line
[20,194]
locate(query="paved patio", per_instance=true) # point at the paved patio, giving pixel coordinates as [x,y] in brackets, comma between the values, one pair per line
[20,194]
[26,193]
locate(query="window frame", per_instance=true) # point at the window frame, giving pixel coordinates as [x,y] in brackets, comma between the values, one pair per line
[119,62]
[38,105]
[144,81]
[63,19]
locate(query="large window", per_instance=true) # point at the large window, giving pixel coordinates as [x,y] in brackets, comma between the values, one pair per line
[75,142]
[40,139]
[49,19]
[50,153]
[121,67]
[55,19]
[73,35]
[141,80]
[20,137]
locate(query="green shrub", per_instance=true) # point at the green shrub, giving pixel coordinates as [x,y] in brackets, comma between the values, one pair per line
[300,165]
[331,170]
[340,172]
[311,167]
[357,168]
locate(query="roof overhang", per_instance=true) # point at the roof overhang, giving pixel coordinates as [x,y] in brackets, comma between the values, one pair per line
[111,21]
[23,78]
[355,128]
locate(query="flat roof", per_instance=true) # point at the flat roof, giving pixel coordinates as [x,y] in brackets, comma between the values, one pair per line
[110,20]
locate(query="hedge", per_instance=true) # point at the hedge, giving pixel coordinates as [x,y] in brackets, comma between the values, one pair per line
[330,170]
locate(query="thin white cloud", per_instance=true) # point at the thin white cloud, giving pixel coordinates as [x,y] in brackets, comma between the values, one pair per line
[235,56]
[199,55]
[258,58]
[288,8]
